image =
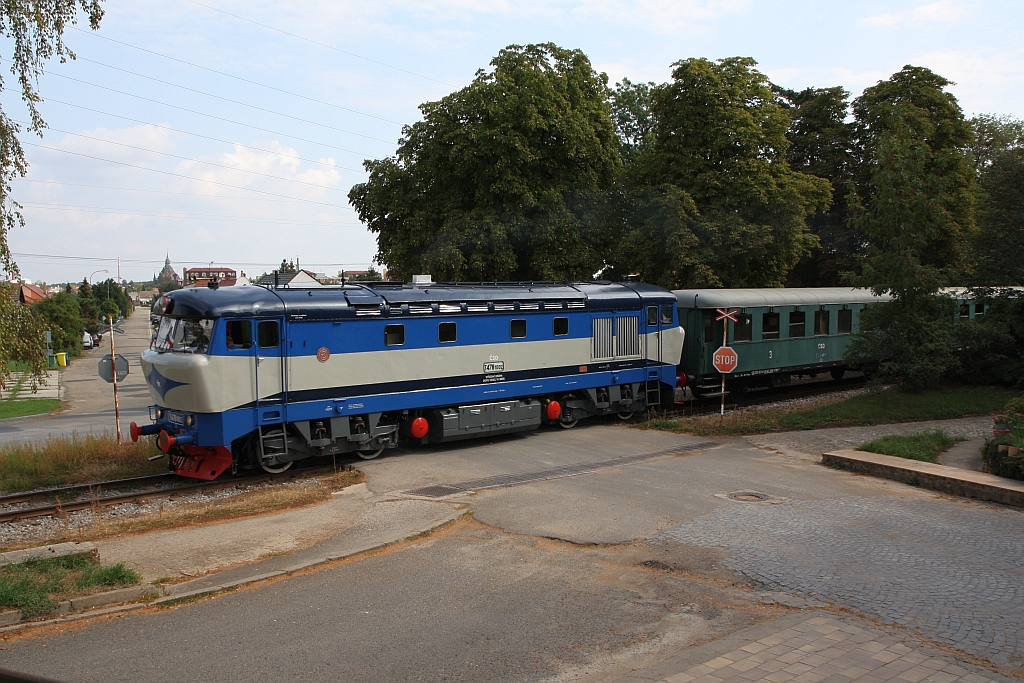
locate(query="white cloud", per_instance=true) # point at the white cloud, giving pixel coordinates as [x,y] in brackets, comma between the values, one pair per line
[943,11]
[663,16]
[983,78]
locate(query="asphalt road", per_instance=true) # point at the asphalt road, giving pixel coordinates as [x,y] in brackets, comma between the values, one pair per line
[554,579]
[90,399]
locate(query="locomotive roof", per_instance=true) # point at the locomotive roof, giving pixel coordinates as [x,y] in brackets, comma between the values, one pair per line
[344,301]
[774,296]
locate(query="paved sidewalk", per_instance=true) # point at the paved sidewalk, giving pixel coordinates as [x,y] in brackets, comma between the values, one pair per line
[816,648]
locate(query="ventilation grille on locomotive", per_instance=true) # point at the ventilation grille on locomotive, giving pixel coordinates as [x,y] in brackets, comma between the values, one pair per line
[604,344]
[627,336]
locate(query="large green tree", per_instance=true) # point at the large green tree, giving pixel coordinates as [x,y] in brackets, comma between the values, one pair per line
[914,202]
[496,181]
[821,141]
[34,30]
[998,154]
[634,121]
[720,141]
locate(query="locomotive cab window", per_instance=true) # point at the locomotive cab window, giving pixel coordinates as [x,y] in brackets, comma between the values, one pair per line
[797,324]
[770,326]
[743,328]
[394,335]
[517,329]
[238,334]
[844,321]
[666,315]
[446,332]
[561,327]
[652,316]
[266,334]
[820,323]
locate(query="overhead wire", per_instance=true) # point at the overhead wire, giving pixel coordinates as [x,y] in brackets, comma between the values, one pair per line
[139,189]
[315,42]
[221,73]
[178,175]
[159,213]
[207,137]
[201,161]
[148,99]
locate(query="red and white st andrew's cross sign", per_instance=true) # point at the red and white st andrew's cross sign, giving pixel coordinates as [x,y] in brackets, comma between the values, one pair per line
[725,359]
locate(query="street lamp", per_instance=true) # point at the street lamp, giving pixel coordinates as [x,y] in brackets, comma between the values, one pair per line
[96,271]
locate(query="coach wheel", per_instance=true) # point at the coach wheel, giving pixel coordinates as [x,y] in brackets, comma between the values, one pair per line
[370,455]
[837,373]
[626,415]
[738,391]
[275,469]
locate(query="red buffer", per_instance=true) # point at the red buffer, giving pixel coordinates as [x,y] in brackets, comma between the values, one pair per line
[419,427]
[554,410]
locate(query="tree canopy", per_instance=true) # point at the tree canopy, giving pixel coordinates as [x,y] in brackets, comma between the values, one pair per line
[36,29]
[495,181]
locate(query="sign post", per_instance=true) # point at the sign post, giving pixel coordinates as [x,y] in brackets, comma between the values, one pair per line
[113,368]
[725,359]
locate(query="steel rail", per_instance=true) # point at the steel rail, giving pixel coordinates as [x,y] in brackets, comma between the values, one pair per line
[25,496]
[107,501]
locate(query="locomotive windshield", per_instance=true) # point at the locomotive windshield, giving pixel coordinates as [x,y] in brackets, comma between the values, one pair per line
[186,335]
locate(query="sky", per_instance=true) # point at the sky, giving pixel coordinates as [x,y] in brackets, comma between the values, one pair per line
[230,132]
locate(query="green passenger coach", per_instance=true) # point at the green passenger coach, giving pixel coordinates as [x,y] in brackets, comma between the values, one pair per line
[779,333]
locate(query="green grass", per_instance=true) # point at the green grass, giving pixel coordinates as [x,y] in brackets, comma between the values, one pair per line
[28,406]
[880,407]
[74,460]
[926,446]
[36,586]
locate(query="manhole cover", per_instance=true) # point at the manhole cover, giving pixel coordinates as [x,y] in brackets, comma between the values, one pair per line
[748,497]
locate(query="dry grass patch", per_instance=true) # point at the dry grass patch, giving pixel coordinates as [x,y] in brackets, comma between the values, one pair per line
[261,501]
[74,460]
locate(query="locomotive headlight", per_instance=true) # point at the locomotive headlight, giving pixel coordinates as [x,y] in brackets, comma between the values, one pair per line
[159,413]
[189,420]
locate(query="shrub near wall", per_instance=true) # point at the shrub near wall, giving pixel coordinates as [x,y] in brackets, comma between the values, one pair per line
[1004,455]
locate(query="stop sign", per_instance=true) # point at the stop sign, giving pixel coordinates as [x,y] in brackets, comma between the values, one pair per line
[725,360]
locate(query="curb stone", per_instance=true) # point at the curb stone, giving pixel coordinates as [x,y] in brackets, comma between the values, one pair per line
[47,552]
[142,596]
[951,480]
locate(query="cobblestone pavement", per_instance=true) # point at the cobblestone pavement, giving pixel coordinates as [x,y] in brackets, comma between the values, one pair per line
[818,441]
[951,570]
[824,649]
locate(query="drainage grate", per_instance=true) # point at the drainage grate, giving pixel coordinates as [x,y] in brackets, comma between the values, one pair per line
[435,491]
[555,472]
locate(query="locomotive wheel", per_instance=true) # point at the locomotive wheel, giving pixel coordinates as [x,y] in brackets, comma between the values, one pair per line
[567,421]
[275,469]
[626,415]
[370,455]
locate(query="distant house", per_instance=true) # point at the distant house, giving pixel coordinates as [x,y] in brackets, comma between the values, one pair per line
[300,278]
[30,294]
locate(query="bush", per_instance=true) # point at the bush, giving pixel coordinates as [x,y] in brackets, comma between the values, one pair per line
[990,349]
[1004,453]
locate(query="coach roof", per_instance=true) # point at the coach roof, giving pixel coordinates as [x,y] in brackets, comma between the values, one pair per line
[774,296]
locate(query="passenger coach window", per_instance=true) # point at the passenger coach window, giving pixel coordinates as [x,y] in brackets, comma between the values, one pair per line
[979,309]
[446,332]
[518,329]
[709,328]
[742,329]
[820,323]
[797,324]
[266,334]
[844,321]
[965,311]
[770,326]
[561,327]
[652,315]
[238,334]
[666,315]
[394,335]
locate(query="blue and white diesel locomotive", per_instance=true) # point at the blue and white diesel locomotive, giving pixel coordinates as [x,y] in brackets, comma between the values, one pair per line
[251,376]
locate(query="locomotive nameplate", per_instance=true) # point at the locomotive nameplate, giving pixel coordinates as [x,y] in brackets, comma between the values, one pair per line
[494,367]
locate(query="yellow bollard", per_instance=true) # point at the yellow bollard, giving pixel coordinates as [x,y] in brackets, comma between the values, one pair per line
[62,359]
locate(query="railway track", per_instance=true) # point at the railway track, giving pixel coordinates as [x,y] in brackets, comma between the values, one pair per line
[711,404]
[96,501]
